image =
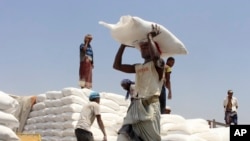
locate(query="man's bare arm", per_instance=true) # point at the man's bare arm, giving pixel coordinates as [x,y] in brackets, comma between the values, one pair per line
[118,62]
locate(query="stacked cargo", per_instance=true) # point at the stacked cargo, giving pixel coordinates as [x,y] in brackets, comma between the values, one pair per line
[8,122]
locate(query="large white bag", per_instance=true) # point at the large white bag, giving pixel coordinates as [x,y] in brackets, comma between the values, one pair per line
[7,103]
[6,134]
[132,30]
[8,120]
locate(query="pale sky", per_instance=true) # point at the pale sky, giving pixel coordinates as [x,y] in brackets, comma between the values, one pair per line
[39,49]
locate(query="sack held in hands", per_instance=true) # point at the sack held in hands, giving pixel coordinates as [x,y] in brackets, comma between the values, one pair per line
[132,30]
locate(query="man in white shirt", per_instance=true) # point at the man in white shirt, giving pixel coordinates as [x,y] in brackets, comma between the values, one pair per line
[142,121]
[230,107]
[88,114]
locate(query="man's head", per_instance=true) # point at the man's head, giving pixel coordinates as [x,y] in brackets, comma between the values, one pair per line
[94,96]
[125,83]
[170,61]
[88,38]
[230,93]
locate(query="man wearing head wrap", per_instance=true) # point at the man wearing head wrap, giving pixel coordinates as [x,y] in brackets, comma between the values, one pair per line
[230,107]
[142,121]
[88,114]
[129,86]
[86,63]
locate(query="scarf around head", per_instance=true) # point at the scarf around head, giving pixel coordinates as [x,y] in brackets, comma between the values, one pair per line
[127,82]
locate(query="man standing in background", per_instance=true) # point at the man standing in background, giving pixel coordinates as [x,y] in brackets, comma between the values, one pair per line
[230,107]
[168,69]
[86,63]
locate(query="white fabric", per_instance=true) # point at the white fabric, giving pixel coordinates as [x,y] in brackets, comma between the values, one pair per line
[40,98]
[147,81]
[120,100]
[53,94]
[38,106]
[130,30]
[8,120]
[72,108]
[6,134]
[181,137]
[73,99]
[7,103]
[110,103]
[234,103]
[70,116]
[73,91]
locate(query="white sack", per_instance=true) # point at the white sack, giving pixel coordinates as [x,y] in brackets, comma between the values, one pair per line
[31,121]
[187,128]
[49,103]
[73,91]
[57,125]
[69,138]
[71,116]
[69,124]
[166,127]
[73,99]
[54,94]
[215,134]
[39,119]
[119,99]
[110,103]
[68,132]
[7,103]
[181,137]
[57,132]
[34,114]
[172,118]
[38,106]
[210,136]
[6,134]
[40,98]
[75,108]
[105,109]
[8,120]
[29,127]
[57,103]
[131,30]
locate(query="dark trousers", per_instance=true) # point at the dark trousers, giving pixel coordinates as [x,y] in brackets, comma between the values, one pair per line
[83,135]
[162,99]
[231,117]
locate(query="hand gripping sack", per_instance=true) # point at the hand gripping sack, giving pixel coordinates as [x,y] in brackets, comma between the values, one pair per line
[132,30]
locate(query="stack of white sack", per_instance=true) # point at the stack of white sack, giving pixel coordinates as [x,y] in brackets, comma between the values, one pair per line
[56,113]
[8,122]
[176,128]
[56,116]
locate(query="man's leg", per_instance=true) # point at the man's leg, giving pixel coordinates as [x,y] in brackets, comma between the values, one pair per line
[227,118]
[82,135]
[162,99]
[235,119]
